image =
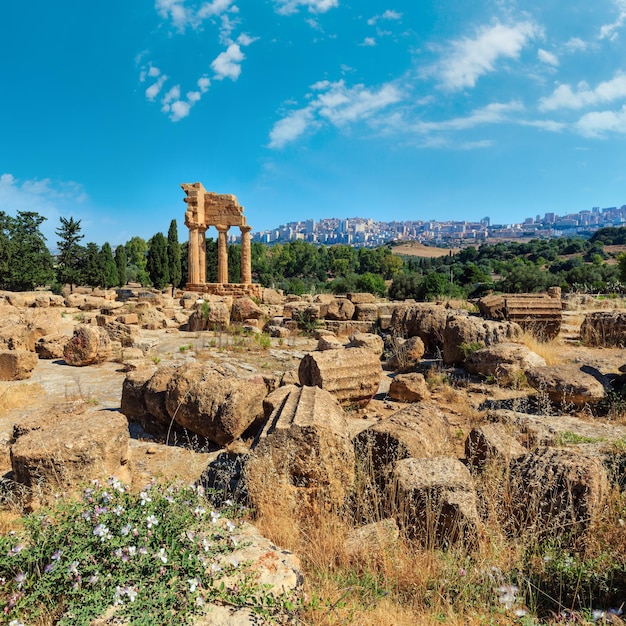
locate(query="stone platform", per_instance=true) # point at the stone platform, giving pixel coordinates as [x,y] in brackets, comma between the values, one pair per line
[236,290]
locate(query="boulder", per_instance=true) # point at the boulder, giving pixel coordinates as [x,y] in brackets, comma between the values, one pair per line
[152,319]
[213,405]
[361,297]
[426,321]
[329,342]
[367,340]
[122,333]
[506,362]
[436,502]
[304,451]
[17,364]
[340,309]
[209,315]
[556,489]
[51,346]
[133,404]
[128,318]
[89,345]
[406,355]
[154,392]
[604,328]
[492,442]
[465,334]
[51,451]
[245,309]
[352,375]
[569,384]
[417,431]
[409,388]
[272,296]
[366,312]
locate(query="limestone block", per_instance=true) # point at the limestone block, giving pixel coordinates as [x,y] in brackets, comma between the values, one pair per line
[426,321]
[89,345]
[17,364]
[123,333]
[209,315]
[567,383]
[492,442]
[128,318]
[212,404]
[244,309]
[51,346]
[409,388]
[604,328]
[362,298]
[352,375]
[340,309]
[272,296]
[406,355]
[367,340]
[436,501]
[366,312]
[49,450]
[152,319]
[329,342]
[303,451]
[504,361]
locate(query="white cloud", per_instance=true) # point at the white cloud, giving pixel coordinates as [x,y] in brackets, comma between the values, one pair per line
[567,98]
[204,83]
[334,103]
[387,15]
[228,63]
[470,58]
[599,123]
[178,108]
[182,16]
[153,71]
[368,41]
[288,7]
[548,57]
[493,113]
[575,44]
[609,31]
[153,91]
[50,198]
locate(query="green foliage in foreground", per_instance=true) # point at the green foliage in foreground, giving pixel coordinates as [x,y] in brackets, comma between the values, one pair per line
[156,556]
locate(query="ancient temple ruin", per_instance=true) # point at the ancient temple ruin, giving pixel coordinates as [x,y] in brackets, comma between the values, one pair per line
[206,209]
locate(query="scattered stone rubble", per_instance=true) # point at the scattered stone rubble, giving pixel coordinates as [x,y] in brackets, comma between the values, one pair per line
[357,413]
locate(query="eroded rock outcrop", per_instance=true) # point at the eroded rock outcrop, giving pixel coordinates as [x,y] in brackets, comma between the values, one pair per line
[89,345]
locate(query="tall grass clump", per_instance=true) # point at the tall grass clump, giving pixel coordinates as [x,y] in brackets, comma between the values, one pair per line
[157,556]
[551,350]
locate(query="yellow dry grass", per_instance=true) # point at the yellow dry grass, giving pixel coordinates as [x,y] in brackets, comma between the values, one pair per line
[551,351]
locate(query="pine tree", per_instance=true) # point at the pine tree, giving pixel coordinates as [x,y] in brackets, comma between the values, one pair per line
[93,270]
[70,252]
[136,249]
[121,260]
[173,255]
[157,261]
[109,266]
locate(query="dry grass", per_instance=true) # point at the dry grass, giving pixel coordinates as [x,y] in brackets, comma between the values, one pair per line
[14,395]
[551,351]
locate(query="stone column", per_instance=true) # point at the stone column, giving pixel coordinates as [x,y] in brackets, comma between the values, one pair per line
[246,255]
[202,255]
[222,254]
[194,266]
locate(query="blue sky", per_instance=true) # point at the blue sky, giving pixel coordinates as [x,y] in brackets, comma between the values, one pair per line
[389,109]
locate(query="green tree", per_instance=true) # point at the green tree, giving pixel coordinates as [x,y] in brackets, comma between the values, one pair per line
[157,261]
[173,255]
[120,261]
[30,261]
[109,266]
[93,269]
[70,261]
[371,283]
[136,249]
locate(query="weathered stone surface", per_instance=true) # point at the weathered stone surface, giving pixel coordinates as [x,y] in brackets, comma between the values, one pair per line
[17,364]
[366,312]
[345,329]
[372,538]
[406,355]
[128,318]
[123,333]
[89,345]
[272,296]
[212,404]
[361,298]
[409,388]
[19,334]
[152,319]
[329,342]
[506,362]
[555,488]
[245,309]
[340,309]
[367,340]
[420,430]
[133,404]
[303,451]
[50,450]
[209,315]
[351,375]
[426,321]
[436,501]
[567,383]
[467,330]
[51,346]
[604,328]
[492,442]
[155,392]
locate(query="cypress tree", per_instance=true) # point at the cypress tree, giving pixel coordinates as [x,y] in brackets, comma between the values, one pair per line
[93,270]
[173,255]
[120,261]
[156,265]
[109,266]
[69,267]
